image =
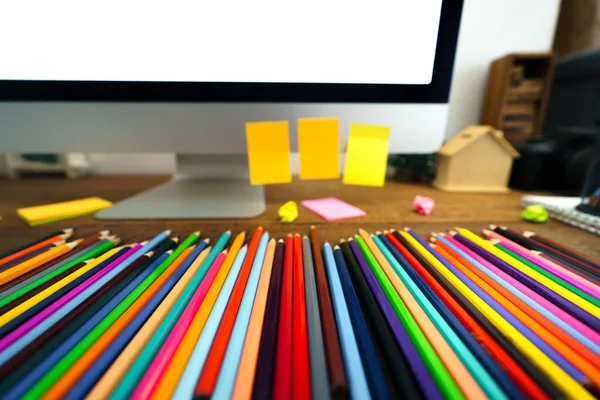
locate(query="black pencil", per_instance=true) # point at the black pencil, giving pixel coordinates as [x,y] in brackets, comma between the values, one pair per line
[13,251]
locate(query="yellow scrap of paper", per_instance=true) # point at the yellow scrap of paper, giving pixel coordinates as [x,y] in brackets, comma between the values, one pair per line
[319,148]
[288,212]
[366,155]
[59,211]
[268,152]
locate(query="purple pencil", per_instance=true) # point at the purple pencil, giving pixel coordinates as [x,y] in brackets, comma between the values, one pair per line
[534,285]
[550,269]
[423,376]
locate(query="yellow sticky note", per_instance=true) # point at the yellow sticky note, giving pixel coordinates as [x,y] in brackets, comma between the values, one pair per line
[319,148]
[268,152]
[58,211]
[366,155]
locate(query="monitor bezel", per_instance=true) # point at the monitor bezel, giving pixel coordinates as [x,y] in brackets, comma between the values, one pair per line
[126,91]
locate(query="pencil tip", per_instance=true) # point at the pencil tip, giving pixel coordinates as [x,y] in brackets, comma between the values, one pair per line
[175,239]
[149,254]
[492,226]
[224,252]
[280,241]
[392,230]
[289,235]
[336,247]
[168,231]
[528,234]
[350,239]
[207,240]
[296,234]
[486,232]
[304,237]
[362,231]
[326,243]
[453,233]
[378,233]
[197,233]
[342,240]
[313,227]
[68,230]
[406,229]
[227,232]
[169,252]
[104,232]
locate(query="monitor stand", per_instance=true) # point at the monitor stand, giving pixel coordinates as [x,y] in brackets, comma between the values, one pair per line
[204,186]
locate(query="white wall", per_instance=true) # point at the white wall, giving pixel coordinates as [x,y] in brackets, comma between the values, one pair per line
[490,29]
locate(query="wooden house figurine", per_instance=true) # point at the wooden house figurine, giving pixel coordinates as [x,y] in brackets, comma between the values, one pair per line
[478,159]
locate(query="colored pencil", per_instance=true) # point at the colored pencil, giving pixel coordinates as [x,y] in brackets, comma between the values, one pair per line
[318,364]
[554,254]
[44,345]
[51,369]
[35,262]
[182,359]
[359,387]
[137,369]
[244,378]
[208,377]
[531,283]
[35,242]
[42,277]
[548,264]
[282,382]
[265,366]
[497,347]
[229,368]
[335,366]
[558,248]
[403,360]
[29,255]
[468,385]
[481,366]
[578,360]
[162,358]
[53,242]
[573,326]
[193,364]
[559,377]
[373,371]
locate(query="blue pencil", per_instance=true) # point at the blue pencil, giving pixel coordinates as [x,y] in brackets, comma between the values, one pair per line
[359,388]
[373,370]
[189,378]
[231,361]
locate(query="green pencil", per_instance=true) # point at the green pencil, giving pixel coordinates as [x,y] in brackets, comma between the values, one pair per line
[436,367]
[50,378]
[93,253]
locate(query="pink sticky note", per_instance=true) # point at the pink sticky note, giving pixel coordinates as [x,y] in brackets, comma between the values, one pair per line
[333,209]
[423,205]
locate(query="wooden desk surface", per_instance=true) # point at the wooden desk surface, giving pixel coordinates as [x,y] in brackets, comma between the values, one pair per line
[388,207]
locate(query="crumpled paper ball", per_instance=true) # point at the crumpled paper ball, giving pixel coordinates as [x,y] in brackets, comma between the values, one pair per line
[535,213]
[423,205]
[288,212]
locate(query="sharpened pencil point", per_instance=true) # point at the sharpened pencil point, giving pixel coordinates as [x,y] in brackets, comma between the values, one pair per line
[169,252]
[68,230]
[378,233]
[486,232]
[362,231]
[224,252]
[528,234]
[494,241]
[342,240]
[492,226]
[406,229]
[313,227]
[336,247]
[392,230]
[272,240]
[145,242]
[289,235]
[207,240]
[149,254]
[457,228]
[385,232]
[350,239]
[175,239]
[280,241]
[168,231]
[104,232]
[452,233]
[197,233]
[503,227]
[296,234]
[326,243]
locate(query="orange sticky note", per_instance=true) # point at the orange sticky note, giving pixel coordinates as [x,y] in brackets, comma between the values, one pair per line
[268,152]
[366,155]
[319,148]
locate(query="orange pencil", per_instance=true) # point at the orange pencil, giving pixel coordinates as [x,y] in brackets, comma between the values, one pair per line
[301,363]
[170,379]
[210,373]
[577,360]
[242,389]
[64,384]
[58,240]
[31,264]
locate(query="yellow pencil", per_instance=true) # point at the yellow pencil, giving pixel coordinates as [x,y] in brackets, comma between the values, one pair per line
[168,382]
[567,294]
[26,305]
[463,378]
[571,388]
[31,264]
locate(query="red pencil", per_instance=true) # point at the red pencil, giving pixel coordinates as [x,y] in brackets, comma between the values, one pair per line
[282,389]
[301,366]
[521,379]
[212,367]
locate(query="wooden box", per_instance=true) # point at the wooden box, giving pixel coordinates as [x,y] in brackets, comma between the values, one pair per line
[517,93]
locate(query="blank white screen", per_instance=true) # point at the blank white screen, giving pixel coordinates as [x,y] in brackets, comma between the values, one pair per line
[310,41]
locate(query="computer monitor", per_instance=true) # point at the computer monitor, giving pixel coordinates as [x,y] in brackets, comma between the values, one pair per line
[185,76]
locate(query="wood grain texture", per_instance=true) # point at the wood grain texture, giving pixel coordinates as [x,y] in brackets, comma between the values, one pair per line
[387,207]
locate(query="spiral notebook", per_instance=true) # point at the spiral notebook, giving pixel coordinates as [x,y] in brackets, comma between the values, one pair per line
[564,210]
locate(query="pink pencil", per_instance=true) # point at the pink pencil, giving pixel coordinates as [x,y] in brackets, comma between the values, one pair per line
[554,271]
[45,313]
[155,371]
[557,311]
[537,259]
